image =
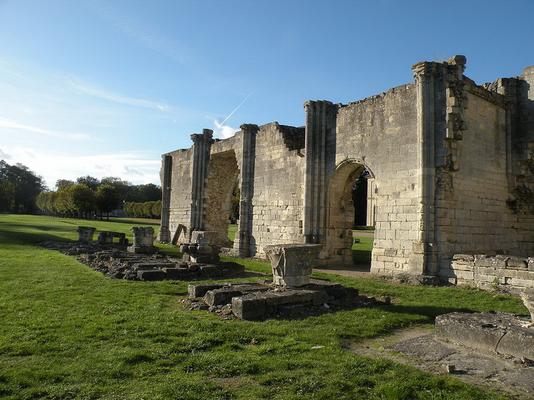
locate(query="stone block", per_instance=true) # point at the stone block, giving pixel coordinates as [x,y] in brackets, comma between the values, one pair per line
[221,296]
[491,333]
[517,263]
[151,275]
[195,291]
[249,307]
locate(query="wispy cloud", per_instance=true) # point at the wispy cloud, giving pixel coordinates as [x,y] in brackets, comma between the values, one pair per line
[10,124]
[118,98]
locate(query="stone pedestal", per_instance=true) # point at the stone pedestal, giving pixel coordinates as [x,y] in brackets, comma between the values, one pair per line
[200,250]
[292,263]
[85,234]
[143,241]
[106,238]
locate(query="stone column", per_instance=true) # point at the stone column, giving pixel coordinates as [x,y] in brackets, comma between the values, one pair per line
[242,243]
[320,163]
[166,182]
[431,125]
[201,156]
[370,218]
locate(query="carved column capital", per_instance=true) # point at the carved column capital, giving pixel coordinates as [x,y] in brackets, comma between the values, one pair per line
[249,128]
[205,136]
[425,69]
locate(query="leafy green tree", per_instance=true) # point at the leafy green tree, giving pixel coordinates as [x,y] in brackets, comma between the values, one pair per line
[90,181]
[63,184]
[107,198]
[83,199]
[19,188]
[7,195]
[62,202]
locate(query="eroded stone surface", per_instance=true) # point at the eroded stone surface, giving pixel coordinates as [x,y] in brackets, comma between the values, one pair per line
[490,333]
[143,240]
[431,354]
[292,263]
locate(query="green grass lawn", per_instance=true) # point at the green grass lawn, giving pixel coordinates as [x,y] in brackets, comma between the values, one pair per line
[361,251]
[232,230]
[68,332]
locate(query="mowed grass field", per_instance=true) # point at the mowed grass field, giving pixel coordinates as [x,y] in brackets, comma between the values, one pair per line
[67,332]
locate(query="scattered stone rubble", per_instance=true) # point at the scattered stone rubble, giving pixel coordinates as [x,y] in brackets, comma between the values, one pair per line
[141,261]
[291,293]
[259,301]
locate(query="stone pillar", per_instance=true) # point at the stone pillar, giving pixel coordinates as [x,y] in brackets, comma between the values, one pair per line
[427,76]
[201,156]
[371,186]
[320,163]
[242,243]
[166,183]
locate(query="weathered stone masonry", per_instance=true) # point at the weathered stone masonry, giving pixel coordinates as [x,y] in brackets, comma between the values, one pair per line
[451,167]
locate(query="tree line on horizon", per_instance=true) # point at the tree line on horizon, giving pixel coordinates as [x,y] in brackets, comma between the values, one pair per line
[22,191]
[89,197]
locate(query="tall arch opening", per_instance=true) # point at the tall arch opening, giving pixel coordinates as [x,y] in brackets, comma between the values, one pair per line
[350,216]
[221,184]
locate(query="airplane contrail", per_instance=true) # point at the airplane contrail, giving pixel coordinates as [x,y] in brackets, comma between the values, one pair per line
[237,108]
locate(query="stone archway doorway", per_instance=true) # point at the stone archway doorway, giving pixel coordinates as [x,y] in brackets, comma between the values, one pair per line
[350,216]
[223,176]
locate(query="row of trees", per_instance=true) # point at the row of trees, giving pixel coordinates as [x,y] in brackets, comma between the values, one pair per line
[79,200]
[148,209]
[90,197]
[19,188]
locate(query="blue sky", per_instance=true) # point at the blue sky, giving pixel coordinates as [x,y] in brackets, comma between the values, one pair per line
[105,87]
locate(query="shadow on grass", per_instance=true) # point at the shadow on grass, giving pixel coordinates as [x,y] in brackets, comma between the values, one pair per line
[21,238]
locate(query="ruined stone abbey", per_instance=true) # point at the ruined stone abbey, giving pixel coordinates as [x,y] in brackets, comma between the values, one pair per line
[447,167]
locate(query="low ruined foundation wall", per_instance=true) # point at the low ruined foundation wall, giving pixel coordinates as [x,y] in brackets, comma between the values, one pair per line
[501,271]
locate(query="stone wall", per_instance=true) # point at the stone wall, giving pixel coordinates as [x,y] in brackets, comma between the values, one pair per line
[381,133]
[472,214]
[180,195]
[278,187]
[486,272]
